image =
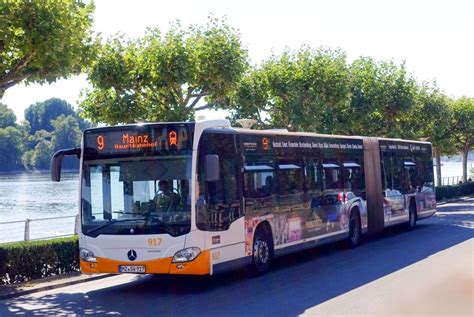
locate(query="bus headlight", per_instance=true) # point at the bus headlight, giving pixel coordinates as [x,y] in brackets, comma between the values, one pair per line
[87,255]
[186,255]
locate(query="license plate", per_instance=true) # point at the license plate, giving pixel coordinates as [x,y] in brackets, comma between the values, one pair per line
[132,269]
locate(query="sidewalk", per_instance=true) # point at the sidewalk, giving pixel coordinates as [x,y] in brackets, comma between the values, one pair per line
[441,285]
[15,290]
[455,199]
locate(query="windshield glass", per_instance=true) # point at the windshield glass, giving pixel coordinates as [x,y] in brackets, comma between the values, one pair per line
[137,196]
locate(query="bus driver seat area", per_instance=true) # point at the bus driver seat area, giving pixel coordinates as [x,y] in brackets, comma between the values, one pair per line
[165,199]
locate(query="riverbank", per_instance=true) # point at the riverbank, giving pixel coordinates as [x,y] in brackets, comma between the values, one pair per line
[37,171]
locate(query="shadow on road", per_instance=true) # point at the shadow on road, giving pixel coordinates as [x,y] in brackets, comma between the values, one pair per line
[295,283]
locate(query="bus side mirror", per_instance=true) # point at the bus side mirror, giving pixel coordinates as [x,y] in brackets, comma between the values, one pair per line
[212,167]
[57,160]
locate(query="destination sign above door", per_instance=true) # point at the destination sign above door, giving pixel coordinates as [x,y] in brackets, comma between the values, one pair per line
[140,139]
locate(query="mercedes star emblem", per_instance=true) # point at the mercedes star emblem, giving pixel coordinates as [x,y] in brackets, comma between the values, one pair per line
[132,255]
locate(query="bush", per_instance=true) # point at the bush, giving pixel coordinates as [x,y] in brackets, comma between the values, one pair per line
[23,261]
[445,192]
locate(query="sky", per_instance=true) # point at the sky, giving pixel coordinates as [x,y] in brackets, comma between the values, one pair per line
[434,38]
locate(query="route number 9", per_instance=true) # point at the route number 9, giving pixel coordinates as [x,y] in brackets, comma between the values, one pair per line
[100,142]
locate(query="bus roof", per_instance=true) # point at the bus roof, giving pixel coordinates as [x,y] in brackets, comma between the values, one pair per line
[310,134]
[207,125]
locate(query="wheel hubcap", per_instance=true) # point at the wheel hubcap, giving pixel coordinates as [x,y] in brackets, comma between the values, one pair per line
[261,252]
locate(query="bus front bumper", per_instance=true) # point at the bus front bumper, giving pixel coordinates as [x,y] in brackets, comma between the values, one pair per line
[199,266]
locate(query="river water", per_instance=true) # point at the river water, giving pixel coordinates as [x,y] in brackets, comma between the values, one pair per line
[35,196]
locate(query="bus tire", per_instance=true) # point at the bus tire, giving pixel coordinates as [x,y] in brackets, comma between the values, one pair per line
[354,229]
[262,250]
[412,218]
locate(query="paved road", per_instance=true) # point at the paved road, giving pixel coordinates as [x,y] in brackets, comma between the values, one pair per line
[428,271]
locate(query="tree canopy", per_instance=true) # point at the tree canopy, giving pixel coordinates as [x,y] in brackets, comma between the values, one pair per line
[11,147]
[41,41]
[382,94]
[164,77]
[41,114]
[463,128]
[7,116]
[55,126]
[302,91]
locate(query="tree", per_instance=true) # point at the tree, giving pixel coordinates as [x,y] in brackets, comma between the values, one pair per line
[11,148]
[41,41]
[165,77]
[66,134]
[40,114]
[7,117]
[41,155]
[382,95]
[463,129]
[303,91]
[431,117]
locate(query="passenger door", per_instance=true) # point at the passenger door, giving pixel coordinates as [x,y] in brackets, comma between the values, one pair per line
[220,211]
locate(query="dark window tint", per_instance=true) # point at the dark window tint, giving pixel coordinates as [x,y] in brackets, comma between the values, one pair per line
[314,179]
[406,172]
[331,174]
[218,201]
[259,178]
[352,174]
[290,176]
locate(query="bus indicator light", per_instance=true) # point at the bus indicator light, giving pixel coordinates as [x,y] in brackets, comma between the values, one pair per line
[100,142]
[173,138]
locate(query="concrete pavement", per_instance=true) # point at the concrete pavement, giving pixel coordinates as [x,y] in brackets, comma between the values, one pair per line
[443,284]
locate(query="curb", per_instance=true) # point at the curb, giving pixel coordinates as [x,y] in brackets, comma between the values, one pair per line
[19,293]
[451,200]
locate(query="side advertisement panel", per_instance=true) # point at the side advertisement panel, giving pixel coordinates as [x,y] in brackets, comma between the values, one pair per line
[305,187]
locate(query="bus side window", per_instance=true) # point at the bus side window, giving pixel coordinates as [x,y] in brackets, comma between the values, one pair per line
[353,174]
[314,176]
[332,174]
[259,184]
[221,196]
[290,177]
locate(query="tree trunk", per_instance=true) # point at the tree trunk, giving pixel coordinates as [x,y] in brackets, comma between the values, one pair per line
[438,167]
[465,152]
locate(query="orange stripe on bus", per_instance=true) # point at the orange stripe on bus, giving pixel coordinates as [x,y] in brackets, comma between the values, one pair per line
[199,266]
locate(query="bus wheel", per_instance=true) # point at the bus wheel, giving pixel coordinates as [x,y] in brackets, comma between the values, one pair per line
[354,230]
[262,251]
[412,216]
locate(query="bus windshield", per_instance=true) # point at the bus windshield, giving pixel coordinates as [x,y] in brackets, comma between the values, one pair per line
[137,196]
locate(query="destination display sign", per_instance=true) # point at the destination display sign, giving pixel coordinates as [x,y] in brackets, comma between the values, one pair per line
[140,139]
[398,146]
[257,143]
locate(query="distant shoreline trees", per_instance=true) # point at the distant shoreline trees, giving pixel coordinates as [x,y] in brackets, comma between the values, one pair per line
[30,146]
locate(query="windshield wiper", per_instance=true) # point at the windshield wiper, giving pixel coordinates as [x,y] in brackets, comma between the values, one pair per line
[112,222]
[160,223]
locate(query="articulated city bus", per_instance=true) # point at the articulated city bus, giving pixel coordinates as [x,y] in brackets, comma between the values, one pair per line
[204,197]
